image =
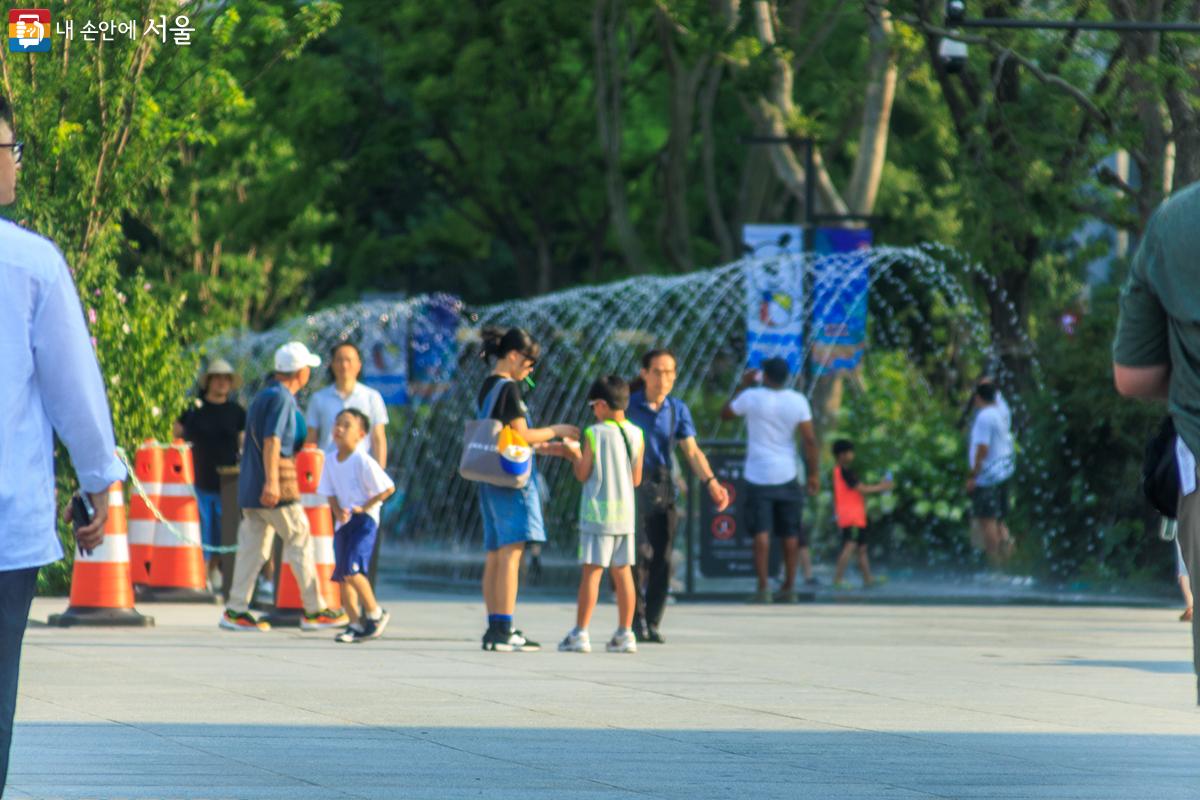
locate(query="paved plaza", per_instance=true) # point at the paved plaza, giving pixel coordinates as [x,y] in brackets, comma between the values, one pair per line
[809,701]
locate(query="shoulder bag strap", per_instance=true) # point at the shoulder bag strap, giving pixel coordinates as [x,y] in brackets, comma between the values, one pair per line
[493,397]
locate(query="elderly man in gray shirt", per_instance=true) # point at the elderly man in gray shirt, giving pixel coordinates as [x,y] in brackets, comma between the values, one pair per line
[52,385]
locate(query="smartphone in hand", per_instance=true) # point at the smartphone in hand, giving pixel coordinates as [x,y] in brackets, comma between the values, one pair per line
[82,514]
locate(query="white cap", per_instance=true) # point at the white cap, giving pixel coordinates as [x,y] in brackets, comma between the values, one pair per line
[293,357]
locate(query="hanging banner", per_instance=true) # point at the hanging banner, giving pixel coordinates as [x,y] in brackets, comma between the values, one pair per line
[384,347]
[774,275]
[840,284]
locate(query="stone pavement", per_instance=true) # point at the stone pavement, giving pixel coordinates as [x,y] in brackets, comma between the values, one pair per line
[809,701]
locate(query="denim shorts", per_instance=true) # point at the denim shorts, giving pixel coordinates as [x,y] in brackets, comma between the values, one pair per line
[511,516]
[210,518]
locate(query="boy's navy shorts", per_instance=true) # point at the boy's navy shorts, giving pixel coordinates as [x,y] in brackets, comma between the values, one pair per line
[353,544]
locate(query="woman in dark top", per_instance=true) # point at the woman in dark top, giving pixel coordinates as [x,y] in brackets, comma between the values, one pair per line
[511,517]
[214,427]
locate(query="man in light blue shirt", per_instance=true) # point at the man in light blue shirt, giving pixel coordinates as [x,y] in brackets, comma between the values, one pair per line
[346,392]
[52,385]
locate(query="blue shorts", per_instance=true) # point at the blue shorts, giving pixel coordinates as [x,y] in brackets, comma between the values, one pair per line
[353,544]
[511,516]
[210,518]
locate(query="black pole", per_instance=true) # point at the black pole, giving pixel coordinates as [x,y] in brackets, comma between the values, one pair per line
[1081,25]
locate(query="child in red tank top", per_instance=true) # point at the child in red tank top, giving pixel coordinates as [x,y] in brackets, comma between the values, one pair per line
[850,510]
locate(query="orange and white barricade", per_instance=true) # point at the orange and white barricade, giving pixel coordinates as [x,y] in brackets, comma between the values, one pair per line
[148,469]
[177,571]
[288,605]
[101,589]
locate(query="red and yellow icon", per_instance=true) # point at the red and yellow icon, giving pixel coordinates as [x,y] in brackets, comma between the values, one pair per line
[29,30]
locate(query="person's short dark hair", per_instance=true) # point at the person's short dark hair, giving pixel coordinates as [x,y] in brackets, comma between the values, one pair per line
[499,342]
[842,446]
[5,111]
[650,355]
[986,392]
[363,421]
[776,371]
[613,390]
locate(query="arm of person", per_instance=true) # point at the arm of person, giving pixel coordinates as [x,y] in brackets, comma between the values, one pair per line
[812,457]
[876,488]
[700,467]
[311,419]
[376,500]
[379,443]
[539,435]
[72,393]
[340,515]
[581,459]
[981,451]
[1149,383]
[638,461]
[270,456]
[733,408]
[1141,358]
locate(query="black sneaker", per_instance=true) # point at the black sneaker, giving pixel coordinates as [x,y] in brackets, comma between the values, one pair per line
[653,636]
[373,628]
[352,635]
[511,642]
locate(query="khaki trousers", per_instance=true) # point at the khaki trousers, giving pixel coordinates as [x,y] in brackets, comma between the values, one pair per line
[1189,543]
[256,536]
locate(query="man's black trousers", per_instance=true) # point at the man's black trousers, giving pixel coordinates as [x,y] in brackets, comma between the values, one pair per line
[17,588]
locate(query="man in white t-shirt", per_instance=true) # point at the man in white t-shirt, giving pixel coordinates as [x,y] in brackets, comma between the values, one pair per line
[991,459]
[345,365]
[774,501]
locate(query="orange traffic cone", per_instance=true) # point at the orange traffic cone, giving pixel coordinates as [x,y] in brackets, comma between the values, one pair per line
[101,590]
[148,467]
[288,605]
[177,568]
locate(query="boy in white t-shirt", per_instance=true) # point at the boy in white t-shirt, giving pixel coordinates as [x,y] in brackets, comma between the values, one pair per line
[356,486]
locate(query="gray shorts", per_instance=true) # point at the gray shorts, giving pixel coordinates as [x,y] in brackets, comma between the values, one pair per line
[606,551]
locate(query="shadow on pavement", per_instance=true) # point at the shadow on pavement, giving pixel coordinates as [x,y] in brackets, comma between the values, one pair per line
[259,762]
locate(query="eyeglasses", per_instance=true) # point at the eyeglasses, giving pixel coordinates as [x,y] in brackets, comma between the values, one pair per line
[17,148]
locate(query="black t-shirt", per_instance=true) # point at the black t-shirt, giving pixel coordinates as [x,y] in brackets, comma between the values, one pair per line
[509,405]
[213,430]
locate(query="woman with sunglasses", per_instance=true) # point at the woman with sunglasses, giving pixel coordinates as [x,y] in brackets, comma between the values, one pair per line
[511,517]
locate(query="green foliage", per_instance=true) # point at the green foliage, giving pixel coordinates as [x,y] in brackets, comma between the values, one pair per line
[897,424]
[137,151]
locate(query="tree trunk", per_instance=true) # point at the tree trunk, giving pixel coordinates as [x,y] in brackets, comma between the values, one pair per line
[877,112]
[675,227]
[607,18]
[712,193]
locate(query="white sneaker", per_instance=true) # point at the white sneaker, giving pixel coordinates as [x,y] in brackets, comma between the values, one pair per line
[575,642]
[622,643]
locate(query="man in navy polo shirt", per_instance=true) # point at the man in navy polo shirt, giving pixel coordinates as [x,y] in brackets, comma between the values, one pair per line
[666,422]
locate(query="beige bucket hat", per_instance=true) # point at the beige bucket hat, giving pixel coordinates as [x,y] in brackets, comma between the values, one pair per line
[219,366]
